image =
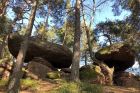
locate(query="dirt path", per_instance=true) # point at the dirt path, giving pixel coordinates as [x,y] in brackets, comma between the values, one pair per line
[44,87]
[117,89]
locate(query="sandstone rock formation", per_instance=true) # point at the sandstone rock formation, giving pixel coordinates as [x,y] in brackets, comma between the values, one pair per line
[36,70]
[119,55]
[97,74]
[126,79]
[59,56]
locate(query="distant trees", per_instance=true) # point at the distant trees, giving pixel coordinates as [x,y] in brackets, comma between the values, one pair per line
[132,22]
[87,29]
[126,30]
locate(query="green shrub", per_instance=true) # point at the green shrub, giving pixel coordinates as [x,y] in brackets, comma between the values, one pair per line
[91,88]
[70,87]
[3,83]
[90,72]
[29,83]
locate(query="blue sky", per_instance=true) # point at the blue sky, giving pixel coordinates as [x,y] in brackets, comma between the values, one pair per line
[107,14]
[103,13]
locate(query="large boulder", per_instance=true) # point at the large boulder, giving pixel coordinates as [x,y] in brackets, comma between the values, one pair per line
[36,70]
[59,56]
[119,55]
[39,68]
[126,79]
[97,74]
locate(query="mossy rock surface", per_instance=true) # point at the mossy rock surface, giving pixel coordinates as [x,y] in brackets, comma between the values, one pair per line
[37,70]
[119,55]
[53,75]
[97,74]
[90,72]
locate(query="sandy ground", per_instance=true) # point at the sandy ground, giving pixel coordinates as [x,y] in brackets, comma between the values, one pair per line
[45,87]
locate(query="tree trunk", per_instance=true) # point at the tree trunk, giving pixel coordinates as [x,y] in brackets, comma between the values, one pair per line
[66,22]
[14,81]
[64,38]
[2,46]
[3,8]
[88,35]
[76,47]
[6,69]
[85,58]
[2,15]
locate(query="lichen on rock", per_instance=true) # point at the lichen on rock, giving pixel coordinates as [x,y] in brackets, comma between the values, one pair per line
[97,74]
[119,55]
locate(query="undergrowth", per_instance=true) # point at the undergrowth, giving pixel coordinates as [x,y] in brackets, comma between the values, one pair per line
[71,87]
[29,84]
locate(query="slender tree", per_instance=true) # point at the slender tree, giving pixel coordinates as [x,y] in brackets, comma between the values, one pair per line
[14,81]
[76,47]
[3,20]
[66,22]
[87,34]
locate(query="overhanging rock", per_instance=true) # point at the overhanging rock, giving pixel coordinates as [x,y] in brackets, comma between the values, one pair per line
[119,55]
[59,56]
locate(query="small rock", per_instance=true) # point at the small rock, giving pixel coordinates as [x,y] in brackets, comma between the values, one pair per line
[37,70]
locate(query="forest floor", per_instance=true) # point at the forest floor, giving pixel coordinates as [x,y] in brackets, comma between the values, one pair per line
[119,89]
[48,85]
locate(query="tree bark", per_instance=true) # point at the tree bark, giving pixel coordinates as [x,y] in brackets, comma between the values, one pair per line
[85,58]
[88,35]
[2,15]
[66,22]
[14,81]
[6,69]
[2,46]
[3,8]
[76,47]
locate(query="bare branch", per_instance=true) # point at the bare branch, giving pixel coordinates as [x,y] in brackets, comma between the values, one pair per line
[101,3]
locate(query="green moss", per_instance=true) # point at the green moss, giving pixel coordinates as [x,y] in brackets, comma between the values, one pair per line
[97,69]
[109,49]
[29,83]
[71,87]
[104,51]
[53,75]
[90,72]
[3,83]
[91,88]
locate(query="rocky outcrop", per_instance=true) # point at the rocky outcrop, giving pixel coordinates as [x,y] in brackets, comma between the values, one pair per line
[120,56]
[126,79]
[39,68]
[97,74]
[59,56]
[36,70]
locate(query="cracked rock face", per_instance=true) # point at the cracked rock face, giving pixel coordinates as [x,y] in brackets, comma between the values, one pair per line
[118,55]
[59,56]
